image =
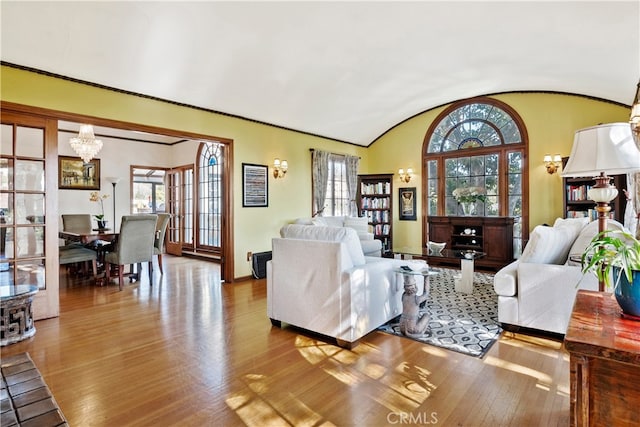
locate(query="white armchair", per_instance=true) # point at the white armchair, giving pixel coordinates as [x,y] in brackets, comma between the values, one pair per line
[538,290]
[320,280]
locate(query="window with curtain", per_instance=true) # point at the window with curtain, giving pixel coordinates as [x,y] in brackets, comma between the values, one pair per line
[334,180]
[478,143]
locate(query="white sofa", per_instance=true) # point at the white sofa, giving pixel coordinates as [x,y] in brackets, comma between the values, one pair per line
[538,290]
[319,279]
[370,246]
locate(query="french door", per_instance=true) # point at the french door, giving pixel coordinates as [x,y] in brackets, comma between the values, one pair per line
[180,206]
[28,206]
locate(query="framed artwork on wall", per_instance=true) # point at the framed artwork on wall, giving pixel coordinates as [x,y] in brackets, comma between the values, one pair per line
[255,186]
[407,208]
[75,174]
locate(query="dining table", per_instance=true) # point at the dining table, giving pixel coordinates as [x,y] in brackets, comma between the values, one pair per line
[88,236]
[99,240]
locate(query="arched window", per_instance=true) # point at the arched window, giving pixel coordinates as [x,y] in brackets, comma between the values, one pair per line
[477,143]
[210,203]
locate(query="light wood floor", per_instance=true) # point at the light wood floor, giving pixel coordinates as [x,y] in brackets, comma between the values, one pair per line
[189,351]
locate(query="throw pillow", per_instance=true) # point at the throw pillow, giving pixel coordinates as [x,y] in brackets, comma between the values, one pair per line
[361,225]
[548,245]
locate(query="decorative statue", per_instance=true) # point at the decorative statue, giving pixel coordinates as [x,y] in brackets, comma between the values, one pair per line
[411,323]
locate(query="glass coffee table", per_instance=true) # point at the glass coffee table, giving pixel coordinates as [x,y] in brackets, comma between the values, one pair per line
[467,257]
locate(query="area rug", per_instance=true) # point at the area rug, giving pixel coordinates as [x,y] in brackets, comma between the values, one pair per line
[464,323]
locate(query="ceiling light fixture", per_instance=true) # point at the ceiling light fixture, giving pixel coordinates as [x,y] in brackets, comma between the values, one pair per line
[85,144]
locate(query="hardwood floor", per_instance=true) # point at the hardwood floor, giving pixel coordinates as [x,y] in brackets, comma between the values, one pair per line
[189,351]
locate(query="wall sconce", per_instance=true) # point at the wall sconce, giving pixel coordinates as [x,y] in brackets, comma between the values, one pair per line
[552,165]
[279,168]
[406,177]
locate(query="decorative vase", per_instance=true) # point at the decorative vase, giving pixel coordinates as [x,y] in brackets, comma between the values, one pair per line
[102,224]
[468,208]
[627,294]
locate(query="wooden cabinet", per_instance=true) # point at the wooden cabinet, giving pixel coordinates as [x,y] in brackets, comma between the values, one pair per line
[577,205]
[492,235]
[604,362]
[374,200]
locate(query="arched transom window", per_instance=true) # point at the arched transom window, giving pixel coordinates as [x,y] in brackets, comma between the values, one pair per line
[477,146]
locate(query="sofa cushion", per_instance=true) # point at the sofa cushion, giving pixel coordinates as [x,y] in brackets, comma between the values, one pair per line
[548,245]
[587,234]
[344,235]
[575,224]
[360,224]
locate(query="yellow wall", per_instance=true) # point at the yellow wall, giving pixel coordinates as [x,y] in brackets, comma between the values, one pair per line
[550,119]
[289,198]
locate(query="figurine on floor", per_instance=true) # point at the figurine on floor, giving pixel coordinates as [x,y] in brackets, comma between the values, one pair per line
[411,323]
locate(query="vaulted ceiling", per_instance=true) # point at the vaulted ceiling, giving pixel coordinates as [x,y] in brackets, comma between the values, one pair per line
[349,71]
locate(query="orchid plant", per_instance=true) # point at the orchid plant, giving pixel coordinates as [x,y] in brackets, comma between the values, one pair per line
[96,197]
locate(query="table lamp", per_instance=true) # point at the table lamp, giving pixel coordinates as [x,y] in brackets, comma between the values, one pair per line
[598,152]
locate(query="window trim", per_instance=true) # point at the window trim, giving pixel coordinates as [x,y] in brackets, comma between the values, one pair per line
[503,151]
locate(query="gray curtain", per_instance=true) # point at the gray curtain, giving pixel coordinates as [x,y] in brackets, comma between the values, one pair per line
[320,166]
[352,163]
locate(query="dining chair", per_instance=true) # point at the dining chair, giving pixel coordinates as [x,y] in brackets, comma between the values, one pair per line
[76,222]
[78,255]
[158,244]
[134,245]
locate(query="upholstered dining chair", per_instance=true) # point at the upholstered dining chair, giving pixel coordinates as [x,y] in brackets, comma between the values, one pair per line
[76,222]
[78,255]
[71,222]
[134,246]
[158,244]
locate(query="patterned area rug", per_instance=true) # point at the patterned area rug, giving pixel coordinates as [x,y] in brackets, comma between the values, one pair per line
[464,323]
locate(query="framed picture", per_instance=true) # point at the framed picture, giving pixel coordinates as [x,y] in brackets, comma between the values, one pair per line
[407,209]
[255,186]
[75,174]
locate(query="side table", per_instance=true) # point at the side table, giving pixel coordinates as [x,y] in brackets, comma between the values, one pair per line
[16,316]
[411,322]
[604,351]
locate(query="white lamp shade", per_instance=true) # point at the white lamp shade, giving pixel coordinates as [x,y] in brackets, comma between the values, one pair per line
[607,148]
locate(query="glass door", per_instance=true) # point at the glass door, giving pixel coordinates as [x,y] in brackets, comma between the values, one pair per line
[180,206]
[28,195]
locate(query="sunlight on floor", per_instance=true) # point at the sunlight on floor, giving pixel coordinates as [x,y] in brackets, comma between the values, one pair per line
[255,409]
[514,367]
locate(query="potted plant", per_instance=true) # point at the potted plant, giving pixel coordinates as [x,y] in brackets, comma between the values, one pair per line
[614,256]
[95,197]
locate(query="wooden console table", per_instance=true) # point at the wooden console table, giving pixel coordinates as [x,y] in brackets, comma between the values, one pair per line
[604,353]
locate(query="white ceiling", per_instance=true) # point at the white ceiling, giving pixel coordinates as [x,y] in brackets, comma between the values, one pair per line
[343,70]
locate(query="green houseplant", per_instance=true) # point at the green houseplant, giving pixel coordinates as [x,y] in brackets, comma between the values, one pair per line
[614,256]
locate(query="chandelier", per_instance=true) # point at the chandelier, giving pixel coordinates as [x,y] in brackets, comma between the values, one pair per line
[85,144]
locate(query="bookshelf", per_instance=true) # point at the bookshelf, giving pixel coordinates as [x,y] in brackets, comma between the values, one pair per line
[577,205]
[374,199]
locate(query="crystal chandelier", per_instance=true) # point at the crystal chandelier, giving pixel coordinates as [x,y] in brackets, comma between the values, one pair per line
[85,144]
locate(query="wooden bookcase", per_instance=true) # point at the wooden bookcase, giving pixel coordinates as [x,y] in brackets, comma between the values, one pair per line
[375,200]
[575,199]
[490,234]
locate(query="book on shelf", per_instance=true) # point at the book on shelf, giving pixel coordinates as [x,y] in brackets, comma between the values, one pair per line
[375,188]
[577,193]
[592,214]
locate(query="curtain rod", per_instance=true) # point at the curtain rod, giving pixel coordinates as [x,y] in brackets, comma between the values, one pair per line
[339,154]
